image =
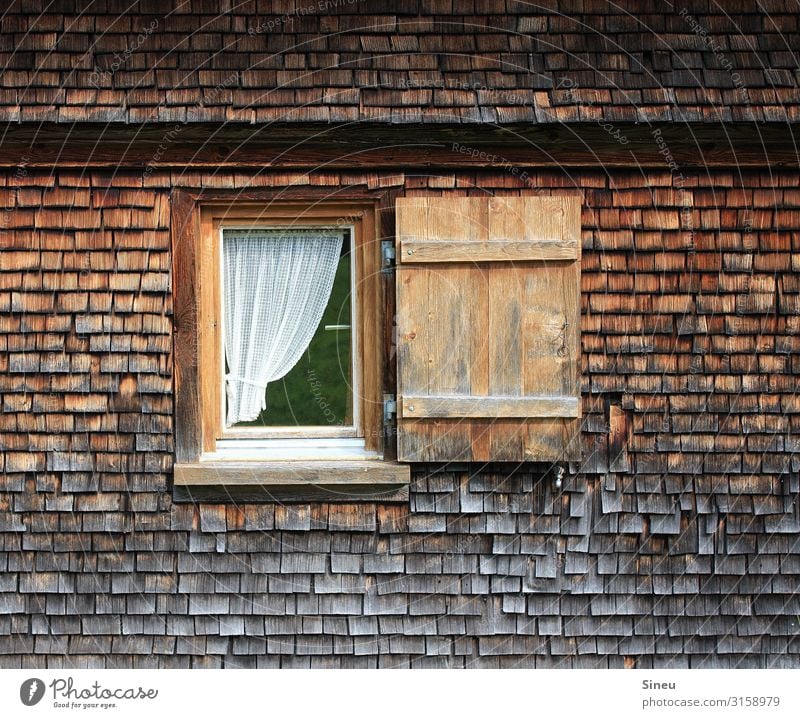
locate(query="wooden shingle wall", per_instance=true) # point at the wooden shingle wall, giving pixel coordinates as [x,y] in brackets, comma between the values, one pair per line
[676,544]
[434,61]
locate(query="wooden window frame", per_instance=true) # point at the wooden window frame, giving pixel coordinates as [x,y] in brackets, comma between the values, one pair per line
[196,220]
[366,380]
[211,304]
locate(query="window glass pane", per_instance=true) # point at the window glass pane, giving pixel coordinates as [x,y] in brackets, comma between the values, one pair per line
[317,391]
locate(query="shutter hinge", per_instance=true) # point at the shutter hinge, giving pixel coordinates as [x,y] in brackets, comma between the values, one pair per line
[388,255]
[389,407]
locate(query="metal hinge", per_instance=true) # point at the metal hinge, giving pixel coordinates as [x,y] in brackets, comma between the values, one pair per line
[388,254]
[389,407]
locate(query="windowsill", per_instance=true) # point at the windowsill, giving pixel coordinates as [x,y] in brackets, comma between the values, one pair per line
[291,449]
[259,479]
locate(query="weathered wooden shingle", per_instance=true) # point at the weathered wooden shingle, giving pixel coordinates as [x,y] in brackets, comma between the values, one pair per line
[451,66]
[694,554]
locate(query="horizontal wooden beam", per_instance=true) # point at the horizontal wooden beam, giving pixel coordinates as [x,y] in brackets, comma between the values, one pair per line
[413,251]
[489,407]
[298,474]
[373,146]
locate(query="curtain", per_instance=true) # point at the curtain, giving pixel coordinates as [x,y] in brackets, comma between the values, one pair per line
[277,284]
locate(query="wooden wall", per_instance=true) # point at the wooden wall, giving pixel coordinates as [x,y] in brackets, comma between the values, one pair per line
[675,545]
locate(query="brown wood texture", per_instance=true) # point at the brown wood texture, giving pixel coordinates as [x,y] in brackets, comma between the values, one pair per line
[372,317]
[619,428]
[188,421]
[286,473]
[439,324]
[477,407]
[500,250]
[507,330]
[335,493]
[534,326]
[209,328]
[275,145]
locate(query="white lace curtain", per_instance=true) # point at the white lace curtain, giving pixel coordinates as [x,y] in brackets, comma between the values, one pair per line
[277,284]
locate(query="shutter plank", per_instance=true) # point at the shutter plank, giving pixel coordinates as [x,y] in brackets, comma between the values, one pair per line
[451,349]
[412,353]
[553,298]
[551,349]
[481,428]
[506,313]
[531,301]
[457,300]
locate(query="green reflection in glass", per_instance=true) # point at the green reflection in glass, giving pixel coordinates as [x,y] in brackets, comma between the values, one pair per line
[318,389]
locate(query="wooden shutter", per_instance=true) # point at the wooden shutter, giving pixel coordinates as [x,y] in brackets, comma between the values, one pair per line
[488,328]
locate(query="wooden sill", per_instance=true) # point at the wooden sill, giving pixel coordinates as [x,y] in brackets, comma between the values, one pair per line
[357,480]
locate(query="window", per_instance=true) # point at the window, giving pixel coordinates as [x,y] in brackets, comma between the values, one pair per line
[285,292]
[280,383]
[287,333]
[288,330]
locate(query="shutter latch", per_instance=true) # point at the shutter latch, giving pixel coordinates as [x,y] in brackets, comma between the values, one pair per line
[388,255]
